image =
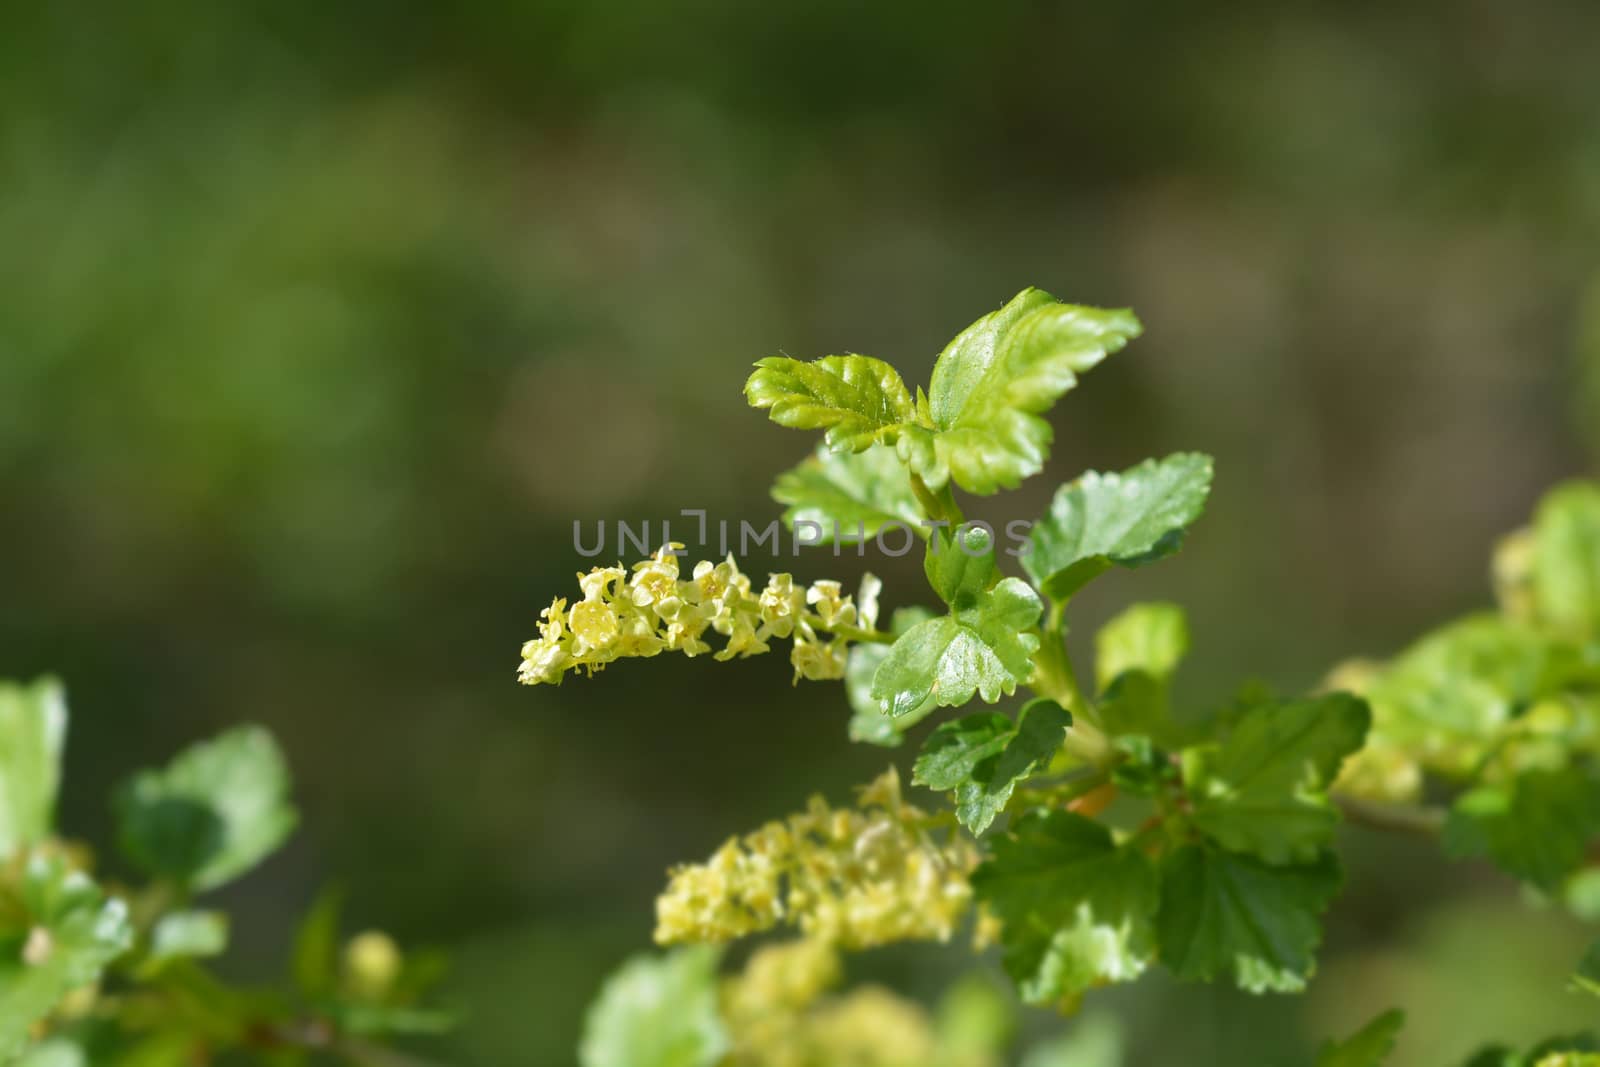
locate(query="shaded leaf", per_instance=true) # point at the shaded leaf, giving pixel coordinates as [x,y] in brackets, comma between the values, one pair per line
[214,812]
[982,757]
[1264,789]
[1076,909]
[1537,828]
[1227,915]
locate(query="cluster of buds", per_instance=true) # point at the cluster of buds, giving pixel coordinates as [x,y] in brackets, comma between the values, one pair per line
[855,878]
[654,609]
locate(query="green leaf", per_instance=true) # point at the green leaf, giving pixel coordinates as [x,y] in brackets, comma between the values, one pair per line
[213,813]
[960,565]
[189,934]
[868,723]
[1139,705]
[981,648]
[851,490]
[1229,915]
[1449,693]
[1136,654]
[33,728]
[657,1011]
[1566,562]
[1264,789]
[1126,520]
[982,757]
[58,934]
[992,383]
[954,750]
[1367,1047]
[1077,910]
[1537,828]
[858,400]
[1152,638]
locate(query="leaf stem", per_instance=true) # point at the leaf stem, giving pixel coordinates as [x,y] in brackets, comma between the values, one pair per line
[940,506]
[1053,677]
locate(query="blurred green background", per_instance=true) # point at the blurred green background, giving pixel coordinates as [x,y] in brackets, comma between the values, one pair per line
[320,324]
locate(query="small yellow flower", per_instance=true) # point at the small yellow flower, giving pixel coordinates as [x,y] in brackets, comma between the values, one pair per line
[594,624]
[816,661]
[831,607]
[596,585]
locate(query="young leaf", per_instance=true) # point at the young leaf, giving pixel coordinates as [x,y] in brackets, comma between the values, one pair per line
[1367,1047]
[33,728]
[1264,790]
[992,383]
[859,492]
[1447,694]
[982,757]
[1152,638]
[1126,519]
[56,936]
[858,400]
[1077,910]
[1566,561]
[1231,915]
[982,648]
[214,812]
[657,1011]
[1538,828]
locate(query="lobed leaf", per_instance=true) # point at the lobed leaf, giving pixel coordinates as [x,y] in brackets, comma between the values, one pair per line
[848,490]
[981,649]
[991,384]
[982,757]
[214,812]
[1537,828]
[1077,910]
[1264,789]
[1446,696]
[1126,520]
[1224,914]
[858,400]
